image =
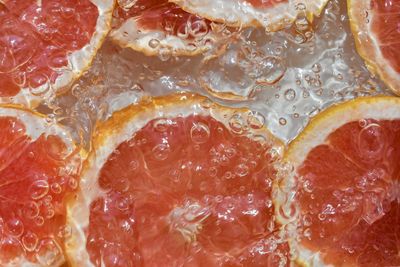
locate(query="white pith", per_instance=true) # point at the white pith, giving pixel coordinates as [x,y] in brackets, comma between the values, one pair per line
[129,34]
[241,14]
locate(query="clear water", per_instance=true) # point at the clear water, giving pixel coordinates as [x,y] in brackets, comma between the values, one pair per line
[287,76]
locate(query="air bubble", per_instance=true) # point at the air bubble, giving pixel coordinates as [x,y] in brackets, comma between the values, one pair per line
[290,94]
[73,183]
[308,186]
[219,199]
[161,125]
[370,142]
[250,198]
[49,253]
[236,124]
[31,210]
[39,189]
[213,171]
[268,203]
[241,170]
[321,216]
[47,200]
[133,165]
[282,121]
[65,231]
[161,152]
[164,53]
[273,70]
[307,220]
[126,4]
[30,241]
[300,7]
[316,68]
[39,220]
[206,103]
[56,188]
[49,213]
[302,24]
[200,133]
[255,120]
[307,233]
[154,43]
[123,203]
[228,175]
[363,123]
[15,227]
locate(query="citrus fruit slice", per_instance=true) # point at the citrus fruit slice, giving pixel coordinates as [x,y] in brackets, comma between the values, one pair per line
[274,15]
[47,44]
[157,26]
[375,26]
[178,181]
[39,166]
[347,170]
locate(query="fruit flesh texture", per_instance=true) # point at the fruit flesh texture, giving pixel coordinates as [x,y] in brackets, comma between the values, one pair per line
[36,40]
[385,25]
[186,192]
[164,16]
[349,195]
[33,187]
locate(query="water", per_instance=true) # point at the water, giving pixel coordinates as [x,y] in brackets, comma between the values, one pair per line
[287,77]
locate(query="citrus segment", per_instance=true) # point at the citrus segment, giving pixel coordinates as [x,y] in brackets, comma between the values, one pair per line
[172,184]
[149,26]
[48,43]
[38,167]
[348,184]
[274,15]
[375,27]
[385,25]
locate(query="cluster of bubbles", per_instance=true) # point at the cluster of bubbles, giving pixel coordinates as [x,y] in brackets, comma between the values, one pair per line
[19,238]
[286,77]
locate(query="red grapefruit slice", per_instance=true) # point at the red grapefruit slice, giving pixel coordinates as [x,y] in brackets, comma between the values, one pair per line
[45,45]
[272,14]
[375,26]
[157,26]
[39,164]
[347,169]
[179,181]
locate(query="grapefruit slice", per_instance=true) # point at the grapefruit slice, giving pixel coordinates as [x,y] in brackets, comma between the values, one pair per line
[39,167]
[157,26]
[272,14]
[346,166]
[47,44]
[375,26]
[178,181]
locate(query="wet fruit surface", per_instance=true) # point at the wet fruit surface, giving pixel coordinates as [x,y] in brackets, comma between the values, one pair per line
[349,195]
[385,24]
[36,38]
[186,191]
[35,181]
[163,16]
